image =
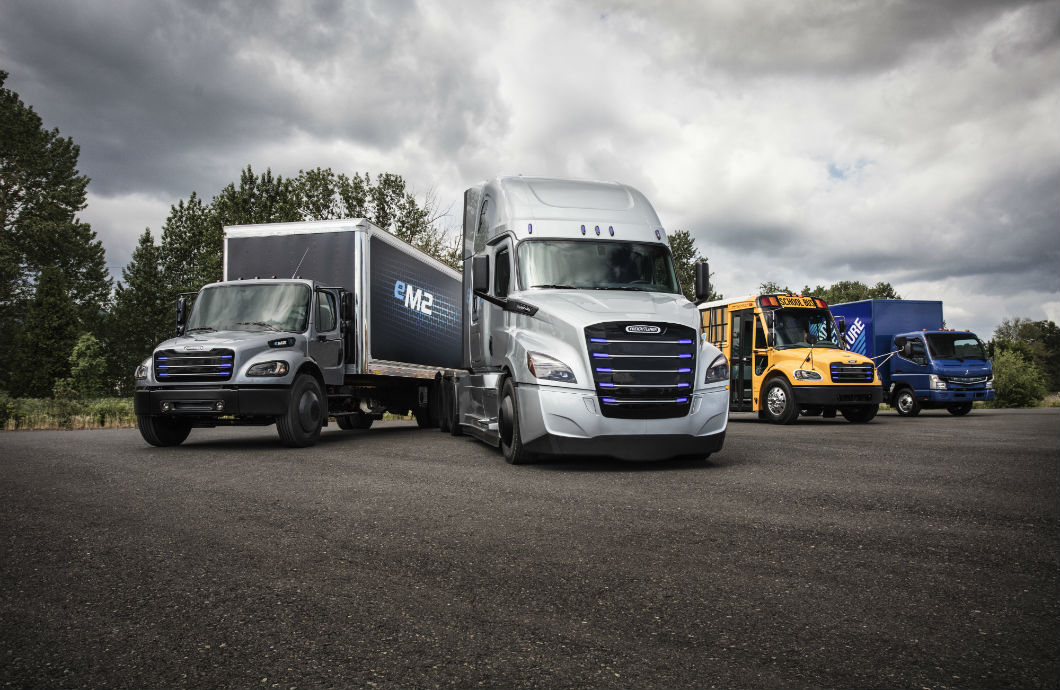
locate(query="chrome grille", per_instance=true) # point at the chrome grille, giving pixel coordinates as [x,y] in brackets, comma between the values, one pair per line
[201,365]
[640,374]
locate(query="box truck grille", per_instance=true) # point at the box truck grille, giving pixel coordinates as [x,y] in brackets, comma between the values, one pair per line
[851,373]
[966,380]
[202,365]
[642,370]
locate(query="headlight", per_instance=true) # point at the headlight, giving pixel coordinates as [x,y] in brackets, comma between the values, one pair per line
[990,383]
[142,370]
[807,375]
[276,368]
[718,370]
[549,368]
[935,383]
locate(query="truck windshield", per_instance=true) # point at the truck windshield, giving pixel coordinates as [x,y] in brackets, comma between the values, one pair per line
[960,346]
[251,307]
[591,265]
[803,328]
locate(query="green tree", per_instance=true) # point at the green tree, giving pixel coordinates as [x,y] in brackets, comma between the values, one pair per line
[850,291]
[44,345]
[1018,382]
[683,249]
[772,288]
[88,367]
[41,191]
[142,315]
[1037,341]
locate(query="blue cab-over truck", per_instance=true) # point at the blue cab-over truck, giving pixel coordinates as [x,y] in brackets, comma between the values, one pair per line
[920,364]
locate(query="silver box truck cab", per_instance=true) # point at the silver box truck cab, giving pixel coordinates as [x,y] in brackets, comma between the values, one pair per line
[316,319]
[577,338]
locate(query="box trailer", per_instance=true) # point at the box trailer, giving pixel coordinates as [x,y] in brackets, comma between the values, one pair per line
[312,320]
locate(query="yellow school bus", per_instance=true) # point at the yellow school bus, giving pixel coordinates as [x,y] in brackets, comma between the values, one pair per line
[785,358]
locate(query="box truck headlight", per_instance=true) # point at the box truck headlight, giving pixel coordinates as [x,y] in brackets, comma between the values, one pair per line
[990,383]
[549,368]
[718,370]
[936,383]
[141,371]
[276,368]
[807,375]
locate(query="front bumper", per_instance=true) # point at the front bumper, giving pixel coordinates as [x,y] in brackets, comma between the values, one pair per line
[955,396]
[837,396]
[561,421]
[238,401]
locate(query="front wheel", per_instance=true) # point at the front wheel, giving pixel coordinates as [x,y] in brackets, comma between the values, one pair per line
[860,414]
[906,404]
[300,426]
[511,440]
[959,410]
[162,431]
[778,402]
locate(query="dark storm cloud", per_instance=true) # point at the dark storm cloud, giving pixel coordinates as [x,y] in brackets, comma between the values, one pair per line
[161,94]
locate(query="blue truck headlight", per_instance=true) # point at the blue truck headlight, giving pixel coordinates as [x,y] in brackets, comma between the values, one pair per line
[935,383]
[141,371]
[274,368]
[807,375]
[990,383]
[718,370]
[549,368]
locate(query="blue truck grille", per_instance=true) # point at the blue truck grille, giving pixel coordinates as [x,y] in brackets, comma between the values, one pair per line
[851,373]
[642,370]
[203,365]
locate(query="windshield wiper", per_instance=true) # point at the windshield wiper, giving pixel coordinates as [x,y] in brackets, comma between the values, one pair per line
[201,328]
[258,323]
[554,287]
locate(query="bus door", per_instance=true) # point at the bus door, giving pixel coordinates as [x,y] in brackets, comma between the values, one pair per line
[740,366]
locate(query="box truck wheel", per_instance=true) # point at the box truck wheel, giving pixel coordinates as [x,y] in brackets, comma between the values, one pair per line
[300,426]
[779,402]
[905,402]
[959,410]
[511,441]
[354,421]
[162,431]
[859,414]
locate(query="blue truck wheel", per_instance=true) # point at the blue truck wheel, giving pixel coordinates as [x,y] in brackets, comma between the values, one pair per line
[905,403]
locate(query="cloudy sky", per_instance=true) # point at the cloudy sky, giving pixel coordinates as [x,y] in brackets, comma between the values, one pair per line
[802,142]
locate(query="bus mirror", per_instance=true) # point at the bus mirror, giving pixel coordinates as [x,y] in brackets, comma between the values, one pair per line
[702,281]
[841,324]
[480,273]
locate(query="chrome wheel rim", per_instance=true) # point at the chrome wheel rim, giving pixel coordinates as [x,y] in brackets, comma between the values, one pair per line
[776,401]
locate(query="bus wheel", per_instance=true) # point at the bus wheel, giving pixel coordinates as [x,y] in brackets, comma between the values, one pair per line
[905,403]
[780,407]
[860,414]
[959,410]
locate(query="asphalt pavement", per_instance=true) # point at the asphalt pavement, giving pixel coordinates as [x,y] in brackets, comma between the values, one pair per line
[905,553]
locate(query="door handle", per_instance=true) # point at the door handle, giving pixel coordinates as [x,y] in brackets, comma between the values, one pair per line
[322,338]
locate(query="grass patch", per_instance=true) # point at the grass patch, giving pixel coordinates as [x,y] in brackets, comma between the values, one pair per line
[52,413]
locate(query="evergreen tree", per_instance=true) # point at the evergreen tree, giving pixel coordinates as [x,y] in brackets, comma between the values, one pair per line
[44,345]
[683,249]
[851,291]
[88,368]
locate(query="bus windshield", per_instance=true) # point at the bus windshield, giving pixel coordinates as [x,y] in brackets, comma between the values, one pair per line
[250,307]
[960,346]
[803,328]
[589,265]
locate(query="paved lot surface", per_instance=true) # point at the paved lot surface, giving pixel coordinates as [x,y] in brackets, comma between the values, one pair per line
[918,553]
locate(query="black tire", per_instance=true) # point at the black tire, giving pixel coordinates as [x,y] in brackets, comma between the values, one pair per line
[905,403]
[162,431]
[778,402]
[959,410]
[454,409]
[306,411]
[424,418]
[445,415]
[860,414]
[354,421]
[508,425]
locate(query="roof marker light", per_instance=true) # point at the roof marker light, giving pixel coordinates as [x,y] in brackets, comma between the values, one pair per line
[583,229]
[658,234]
[597,230]
[530,228]
[611,229]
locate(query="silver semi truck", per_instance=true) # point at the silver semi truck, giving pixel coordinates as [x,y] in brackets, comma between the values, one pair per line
[576,336]
[312,320]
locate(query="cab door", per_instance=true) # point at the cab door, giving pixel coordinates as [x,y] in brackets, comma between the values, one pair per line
[325,343]
[741,367]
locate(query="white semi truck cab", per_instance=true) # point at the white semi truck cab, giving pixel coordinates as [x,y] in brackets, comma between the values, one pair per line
[577,337]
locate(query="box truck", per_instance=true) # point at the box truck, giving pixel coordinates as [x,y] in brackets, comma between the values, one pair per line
[577,338]
[312,320]
[921,364]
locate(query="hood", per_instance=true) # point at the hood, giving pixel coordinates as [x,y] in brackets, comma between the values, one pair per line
[581,308]
[969,367]
[232,339]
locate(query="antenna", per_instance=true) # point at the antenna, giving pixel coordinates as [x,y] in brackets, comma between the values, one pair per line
[295,274]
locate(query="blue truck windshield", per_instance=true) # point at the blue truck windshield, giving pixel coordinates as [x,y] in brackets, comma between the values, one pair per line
[803,328]
[249,307]
[960,346]
[590,265]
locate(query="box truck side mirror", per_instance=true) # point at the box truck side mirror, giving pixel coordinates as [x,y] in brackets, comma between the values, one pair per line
[347,306]
[907,350]
[182,314]
[702,281]
[480,273]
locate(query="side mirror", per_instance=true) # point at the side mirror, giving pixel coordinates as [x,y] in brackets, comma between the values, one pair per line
[702,281]
[480,273]
[347,306]
[907,350]
[841,324]
[182,314]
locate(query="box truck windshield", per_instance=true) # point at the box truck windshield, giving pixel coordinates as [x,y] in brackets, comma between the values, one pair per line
[960,346]
[251,307]
[577,264]
[803,328]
